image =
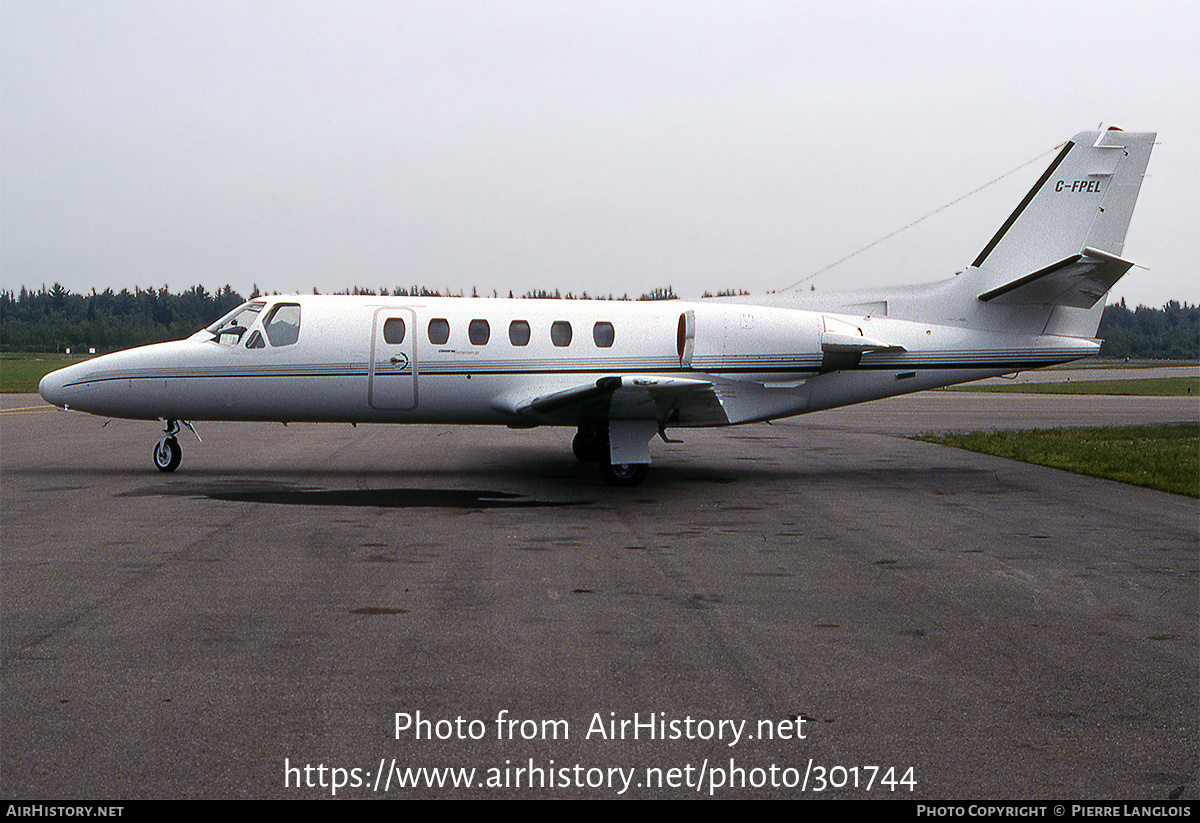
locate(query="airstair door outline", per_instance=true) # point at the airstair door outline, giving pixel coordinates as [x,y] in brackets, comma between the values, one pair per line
[393,368]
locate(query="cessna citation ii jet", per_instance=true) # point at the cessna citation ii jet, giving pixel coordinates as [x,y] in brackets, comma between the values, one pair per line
[621,372]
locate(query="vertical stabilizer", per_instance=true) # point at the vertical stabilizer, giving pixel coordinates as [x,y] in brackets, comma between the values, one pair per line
[1084,199]
[1056,256]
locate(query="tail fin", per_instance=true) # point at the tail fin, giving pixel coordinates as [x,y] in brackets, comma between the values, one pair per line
[1058,254]
[1085,199]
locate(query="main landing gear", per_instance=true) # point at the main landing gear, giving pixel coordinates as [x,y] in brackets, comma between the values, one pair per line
[625,474]
[591,444]
[167,452]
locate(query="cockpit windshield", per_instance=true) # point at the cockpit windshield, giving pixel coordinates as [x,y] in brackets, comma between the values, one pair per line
[229,329]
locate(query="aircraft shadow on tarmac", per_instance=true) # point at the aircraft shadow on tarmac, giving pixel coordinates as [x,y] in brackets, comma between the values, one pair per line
[227,486]
[268,491]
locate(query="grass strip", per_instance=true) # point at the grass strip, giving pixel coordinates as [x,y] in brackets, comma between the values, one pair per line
[21,373]
[1164,457]
[1156,387]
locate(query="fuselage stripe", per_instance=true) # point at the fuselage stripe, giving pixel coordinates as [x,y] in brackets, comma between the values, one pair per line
[927,364]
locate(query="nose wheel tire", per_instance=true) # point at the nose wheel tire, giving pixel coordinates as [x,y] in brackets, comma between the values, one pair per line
[626,474]
[167,454]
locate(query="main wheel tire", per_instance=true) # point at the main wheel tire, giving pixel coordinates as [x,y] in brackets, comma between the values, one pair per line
[589,447]
[626,474]
[167,454]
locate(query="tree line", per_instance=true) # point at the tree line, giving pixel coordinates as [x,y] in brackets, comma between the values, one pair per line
[56,319]
[1169,333]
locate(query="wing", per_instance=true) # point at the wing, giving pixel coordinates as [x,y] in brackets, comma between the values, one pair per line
[627,397]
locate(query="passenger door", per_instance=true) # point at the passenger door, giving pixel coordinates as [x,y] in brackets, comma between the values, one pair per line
[393,368]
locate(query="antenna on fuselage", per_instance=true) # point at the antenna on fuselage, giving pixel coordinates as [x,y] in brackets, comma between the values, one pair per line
[920,219]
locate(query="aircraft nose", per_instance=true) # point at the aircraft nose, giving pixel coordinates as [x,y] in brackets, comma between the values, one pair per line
[67,386]
[51,387]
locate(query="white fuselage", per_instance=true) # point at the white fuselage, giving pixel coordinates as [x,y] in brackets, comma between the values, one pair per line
[461,360]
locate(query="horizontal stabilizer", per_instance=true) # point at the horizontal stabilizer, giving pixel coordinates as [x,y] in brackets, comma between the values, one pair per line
[1079,281]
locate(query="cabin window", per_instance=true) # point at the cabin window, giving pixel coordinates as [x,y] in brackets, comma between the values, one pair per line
[439,331]
[479,332]
[283,324]
[393,330]
[518,333]
[603,334]
[255,341]
[560,333]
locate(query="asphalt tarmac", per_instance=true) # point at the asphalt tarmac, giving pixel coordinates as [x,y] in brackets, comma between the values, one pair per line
[816,608]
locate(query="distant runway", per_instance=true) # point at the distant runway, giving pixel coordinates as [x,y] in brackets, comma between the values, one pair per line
[251,625]
[1099,371]
[956,411]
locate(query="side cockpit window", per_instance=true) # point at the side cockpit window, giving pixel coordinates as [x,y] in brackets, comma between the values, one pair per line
[229,330]
[283,324]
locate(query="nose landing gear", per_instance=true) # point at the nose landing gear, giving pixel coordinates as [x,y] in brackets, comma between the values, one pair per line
[167,452]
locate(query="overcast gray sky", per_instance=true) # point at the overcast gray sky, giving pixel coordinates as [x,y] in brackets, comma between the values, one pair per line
[606,147]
